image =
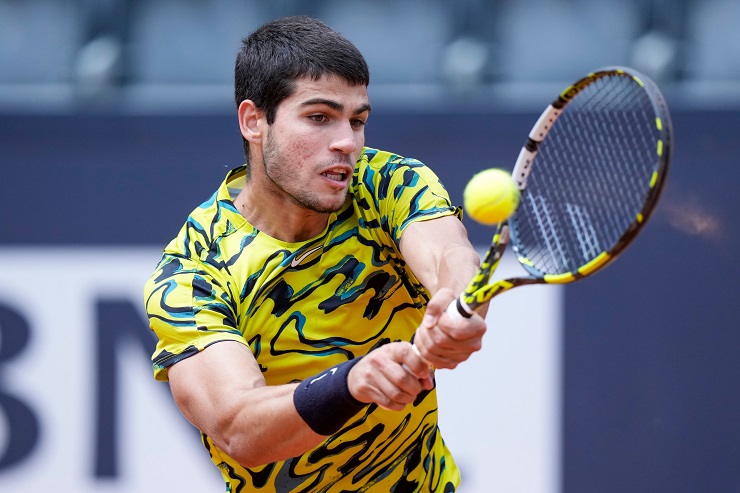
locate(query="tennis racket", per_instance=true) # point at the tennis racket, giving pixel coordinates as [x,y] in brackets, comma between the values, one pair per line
[590,175]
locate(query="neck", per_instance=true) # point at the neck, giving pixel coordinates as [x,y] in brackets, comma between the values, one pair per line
[278,216]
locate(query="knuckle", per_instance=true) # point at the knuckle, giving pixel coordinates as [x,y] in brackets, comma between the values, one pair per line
[396,395]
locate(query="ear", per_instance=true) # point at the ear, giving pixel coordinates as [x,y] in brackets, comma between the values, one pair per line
[249,121]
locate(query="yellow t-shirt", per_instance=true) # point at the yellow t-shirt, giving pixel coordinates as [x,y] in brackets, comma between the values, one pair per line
[305,307]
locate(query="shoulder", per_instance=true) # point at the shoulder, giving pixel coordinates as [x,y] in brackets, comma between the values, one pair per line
[382,174]
[378,159]
[212,220]
[398,190]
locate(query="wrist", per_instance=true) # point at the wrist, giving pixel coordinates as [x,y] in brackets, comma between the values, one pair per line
[324,401]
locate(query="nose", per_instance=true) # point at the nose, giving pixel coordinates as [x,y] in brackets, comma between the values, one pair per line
[345,140]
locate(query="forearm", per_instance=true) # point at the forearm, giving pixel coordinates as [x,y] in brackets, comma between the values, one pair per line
[223,393]
[439,254]
[457,266]
[262,426]
[267,428]
[457,269]
[442,258]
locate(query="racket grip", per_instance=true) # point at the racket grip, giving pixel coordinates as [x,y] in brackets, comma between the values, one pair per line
[458,309]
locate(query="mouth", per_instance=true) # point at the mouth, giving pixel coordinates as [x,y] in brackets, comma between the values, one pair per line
[339,175]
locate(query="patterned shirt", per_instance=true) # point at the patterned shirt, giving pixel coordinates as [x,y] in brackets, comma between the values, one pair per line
[304,307]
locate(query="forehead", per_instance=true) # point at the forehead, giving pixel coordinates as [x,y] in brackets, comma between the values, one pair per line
[328,87]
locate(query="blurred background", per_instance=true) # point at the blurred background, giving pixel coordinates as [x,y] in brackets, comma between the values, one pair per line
[117,118]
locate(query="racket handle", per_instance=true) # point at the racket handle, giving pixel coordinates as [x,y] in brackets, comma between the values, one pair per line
[459,309]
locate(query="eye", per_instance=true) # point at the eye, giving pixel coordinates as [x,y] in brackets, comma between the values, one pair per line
[318,118]
[357,123]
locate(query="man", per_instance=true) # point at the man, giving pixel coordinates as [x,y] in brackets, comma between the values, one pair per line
[286,306]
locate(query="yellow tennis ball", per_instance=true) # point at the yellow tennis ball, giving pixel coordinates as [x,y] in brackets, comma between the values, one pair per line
[491,196]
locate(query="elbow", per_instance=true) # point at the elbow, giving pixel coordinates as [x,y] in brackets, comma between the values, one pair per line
[243,447]
[240,448]
[250,452]
[231,437]
[261,447]
[244,444]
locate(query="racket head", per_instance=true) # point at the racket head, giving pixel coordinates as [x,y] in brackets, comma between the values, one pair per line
[595,175]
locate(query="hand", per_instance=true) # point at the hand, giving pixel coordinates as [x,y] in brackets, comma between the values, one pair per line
[444,342]
[390,376]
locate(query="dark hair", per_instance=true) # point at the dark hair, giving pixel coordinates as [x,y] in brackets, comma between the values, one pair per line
[274,56]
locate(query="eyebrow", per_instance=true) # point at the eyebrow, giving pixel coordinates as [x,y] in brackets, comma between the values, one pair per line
[335,105]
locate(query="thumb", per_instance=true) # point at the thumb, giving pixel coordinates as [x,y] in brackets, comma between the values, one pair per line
[436,307]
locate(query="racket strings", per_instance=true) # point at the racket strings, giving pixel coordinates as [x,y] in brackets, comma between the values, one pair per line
[590,179]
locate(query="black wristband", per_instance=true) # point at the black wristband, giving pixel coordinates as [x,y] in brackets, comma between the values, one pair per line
[324,401]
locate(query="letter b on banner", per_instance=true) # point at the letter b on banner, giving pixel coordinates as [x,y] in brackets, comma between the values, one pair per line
[22,424]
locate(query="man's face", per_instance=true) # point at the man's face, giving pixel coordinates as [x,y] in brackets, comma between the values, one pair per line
[311,148]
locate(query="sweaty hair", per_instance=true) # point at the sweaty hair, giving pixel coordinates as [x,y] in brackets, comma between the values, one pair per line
[274,56]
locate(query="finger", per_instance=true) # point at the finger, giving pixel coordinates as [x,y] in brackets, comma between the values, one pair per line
[436,307]
[400,386]
[382,378]
[369,385]
[461,329]
[443,351]
[446,330]
[420,365]
[396,391]
[458,350]
[430,352]
[414,365]
[422,369]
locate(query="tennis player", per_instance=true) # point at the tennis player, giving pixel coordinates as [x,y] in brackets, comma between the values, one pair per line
[286,306]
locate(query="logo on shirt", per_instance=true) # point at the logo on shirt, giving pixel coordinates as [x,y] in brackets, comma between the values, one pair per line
[297,260]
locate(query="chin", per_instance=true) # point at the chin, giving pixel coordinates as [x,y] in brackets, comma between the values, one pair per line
[329,208]
[323,205]
[333,205]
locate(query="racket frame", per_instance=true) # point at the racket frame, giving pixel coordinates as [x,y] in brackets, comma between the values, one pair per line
[480,290]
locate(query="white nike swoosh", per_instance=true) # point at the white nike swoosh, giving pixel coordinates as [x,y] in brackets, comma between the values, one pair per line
[332,371]
[296,261]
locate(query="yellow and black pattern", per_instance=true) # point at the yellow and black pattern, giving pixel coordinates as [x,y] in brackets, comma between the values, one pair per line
[305,307]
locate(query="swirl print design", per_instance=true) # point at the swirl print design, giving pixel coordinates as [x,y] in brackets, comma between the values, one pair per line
[304,307]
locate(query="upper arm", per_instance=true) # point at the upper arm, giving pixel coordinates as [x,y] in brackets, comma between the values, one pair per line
[207,386]
[190,307]
[439,253]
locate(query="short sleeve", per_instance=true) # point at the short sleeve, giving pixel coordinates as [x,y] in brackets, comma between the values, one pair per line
[404,190]
[189,308]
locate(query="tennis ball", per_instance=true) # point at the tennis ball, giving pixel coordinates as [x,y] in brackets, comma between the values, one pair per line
[491,196]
